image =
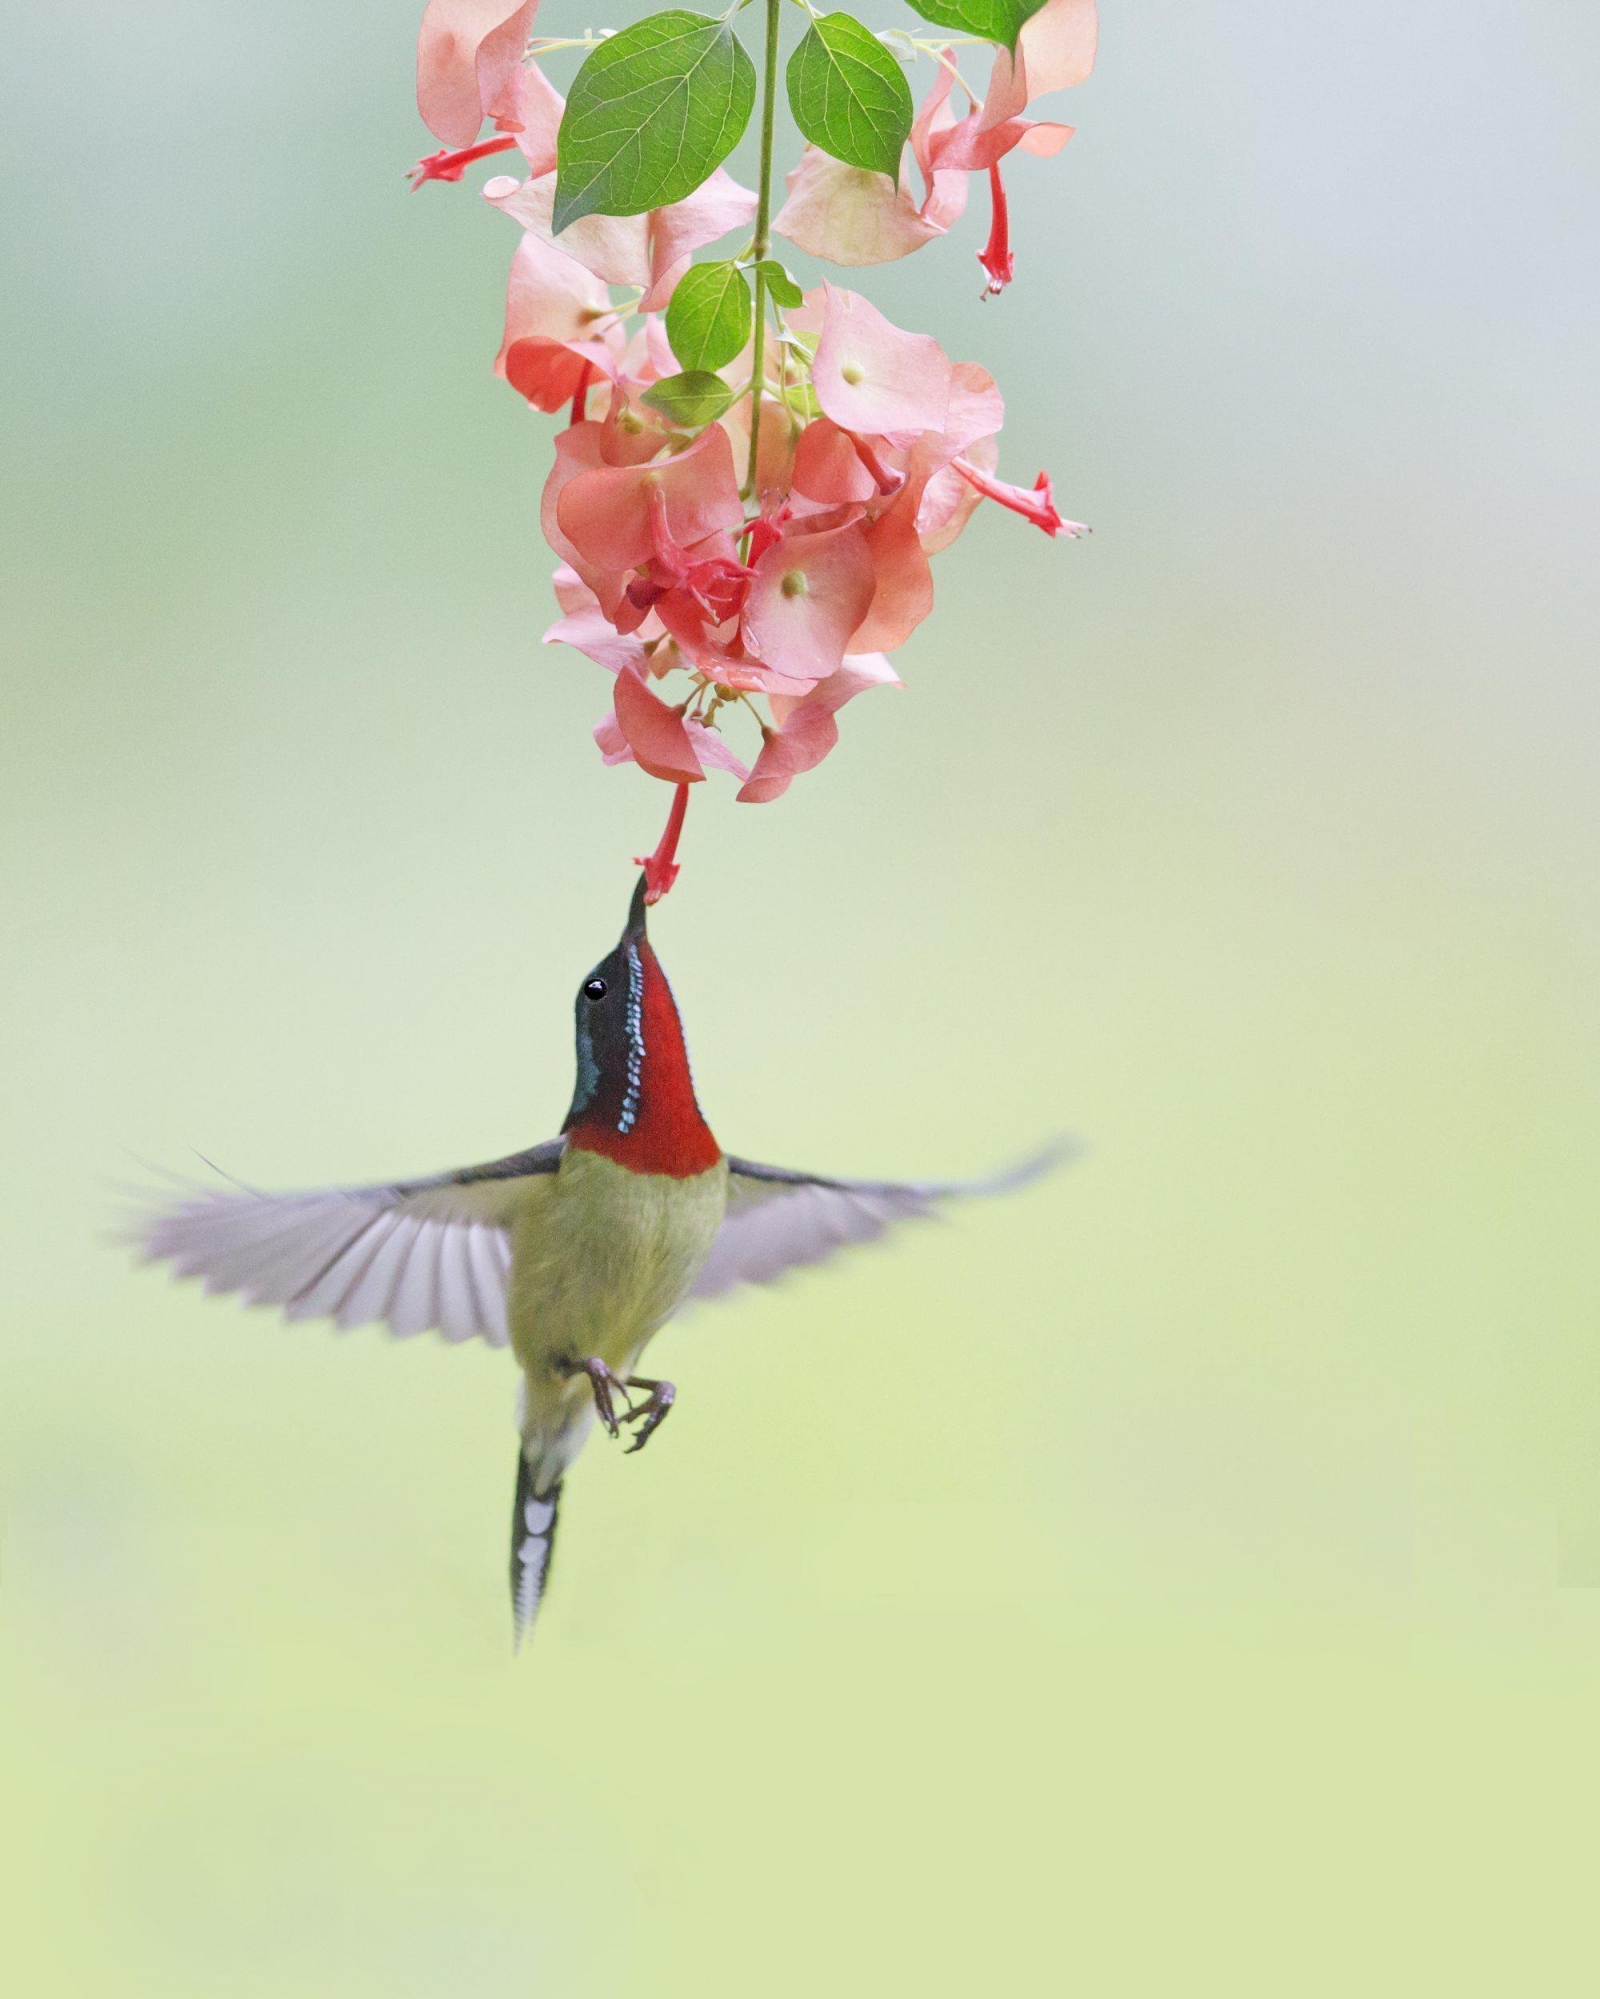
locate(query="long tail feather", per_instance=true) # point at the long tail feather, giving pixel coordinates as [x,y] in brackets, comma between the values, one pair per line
[533,1540]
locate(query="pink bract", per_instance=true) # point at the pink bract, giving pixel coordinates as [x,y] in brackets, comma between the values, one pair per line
[654,732]
[806,729]
[808,595]
[469,66]
[605,514]
[872,376]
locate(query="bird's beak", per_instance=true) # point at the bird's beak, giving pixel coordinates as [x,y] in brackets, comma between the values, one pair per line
[636,933]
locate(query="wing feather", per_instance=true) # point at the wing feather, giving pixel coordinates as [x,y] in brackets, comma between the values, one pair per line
[418,1256]
[458,1312]
[368,1296]
[780,1220]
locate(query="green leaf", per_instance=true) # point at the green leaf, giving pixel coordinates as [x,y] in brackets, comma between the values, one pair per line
[849,96]
[780,286]
[690,400]
[653,111]
[994,20]
[708,315]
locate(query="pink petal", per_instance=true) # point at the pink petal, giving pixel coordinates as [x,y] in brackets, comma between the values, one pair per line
[658,347]
[904,594]
[578,451]
[713,752]
[655,732]
[605,514]
[1058,45]
[780,433]
[546,372]
[977,408]
[613,743]
[592,633]
[1043,139]
[572,593]
[552,306]
[860,671]
[800,745]
[808,595]
[806,729]
[870,376]
[829,469]
[631,436]
[935,116]
[989,131]
[542,106]
[851,216]
[676,232]
[614,247]
[1007,95]
[949,501]
[469,66]
[974,146]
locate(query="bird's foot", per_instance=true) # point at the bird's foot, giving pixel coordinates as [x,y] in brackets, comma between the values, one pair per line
[602,1381]
[653,1411]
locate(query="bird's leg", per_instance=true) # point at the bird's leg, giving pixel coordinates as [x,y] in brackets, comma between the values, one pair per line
[602,1381]
[652,1412]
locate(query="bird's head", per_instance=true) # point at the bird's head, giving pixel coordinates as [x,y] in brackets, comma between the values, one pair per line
[634,1096]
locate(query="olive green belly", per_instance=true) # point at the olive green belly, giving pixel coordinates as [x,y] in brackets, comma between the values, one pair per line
[600,1258]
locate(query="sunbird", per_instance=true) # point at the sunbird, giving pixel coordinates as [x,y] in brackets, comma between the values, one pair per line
[573,1253]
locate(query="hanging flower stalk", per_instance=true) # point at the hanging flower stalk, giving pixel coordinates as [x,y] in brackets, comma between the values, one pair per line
[751,479]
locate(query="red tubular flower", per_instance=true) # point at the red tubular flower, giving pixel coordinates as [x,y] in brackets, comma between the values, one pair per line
[448,165]
[995,256]
[1037,506]
[661,867]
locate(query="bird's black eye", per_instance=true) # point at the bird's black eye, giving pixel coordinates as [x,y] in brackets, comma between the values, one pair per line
[594,989]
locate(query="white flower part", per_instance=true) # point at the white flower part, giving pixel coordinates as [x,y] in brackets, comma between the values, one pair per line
[630,1102]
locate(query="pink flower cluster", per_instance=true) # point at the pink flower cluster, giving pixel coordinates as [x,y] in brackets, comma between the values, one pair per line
[798,598]
[712,581]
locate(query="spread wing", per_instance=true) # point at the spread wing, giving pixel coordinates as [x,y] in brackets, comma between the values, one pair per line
[419,1255]
[778,1220]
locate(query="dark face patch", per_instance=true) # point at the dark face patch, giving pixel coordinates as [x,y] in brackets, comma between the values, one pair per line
[634,1100]
[609,1038]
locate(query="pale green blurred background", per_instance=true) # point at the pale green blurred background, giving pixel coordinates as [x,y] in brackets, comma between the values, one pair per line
[1179,1581]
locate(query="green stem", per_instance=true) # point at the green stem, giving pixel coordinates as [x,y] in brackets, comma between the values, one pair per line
[763,240]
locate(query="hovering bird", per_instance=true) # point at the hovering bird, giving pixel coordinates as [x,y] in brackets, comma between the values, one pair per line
[574,1252]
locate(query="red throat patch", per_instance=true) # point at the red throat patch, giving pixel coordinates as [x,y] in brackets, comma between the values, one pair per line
[658,1127]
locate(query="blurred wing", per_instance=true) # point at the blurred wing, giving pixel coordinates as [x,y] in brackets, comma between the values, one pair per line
[417,1256]
[778,1220]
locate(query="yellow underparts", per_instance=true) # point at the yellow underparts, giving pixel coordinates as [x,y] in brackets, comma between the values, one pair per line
[600,1258]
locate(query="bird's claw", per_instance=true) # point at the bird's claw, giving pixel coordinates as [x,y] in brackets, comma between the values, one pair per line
[652,1412]
[602,1381]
